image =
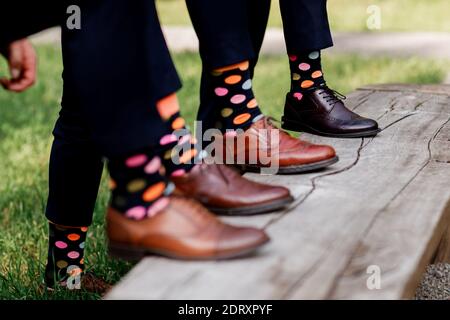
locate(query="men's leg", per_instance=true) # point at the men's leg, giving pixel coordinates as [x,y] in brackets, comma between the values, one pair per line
[75,171]
[310,105]
[225,39]
[74,177]
[118,66]
[227,99]
[305,25]
[226,48]
[119,69]
[75,165]
[258,16]
[306,32]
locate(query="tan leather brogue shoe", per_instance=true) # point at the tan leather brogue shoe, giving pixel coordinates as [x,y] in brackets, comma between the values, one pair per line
[264,145]
[183,230]
[223,190]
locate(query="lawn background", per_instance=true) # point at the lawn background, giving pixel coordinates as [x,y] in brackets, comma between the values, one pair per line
[349,15]
[26,121]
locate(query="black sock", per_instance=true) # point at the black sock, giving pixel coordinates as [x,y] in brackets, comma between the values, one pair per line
[178,150]
[306,72]
[65,260]
[234,97]
[138,183]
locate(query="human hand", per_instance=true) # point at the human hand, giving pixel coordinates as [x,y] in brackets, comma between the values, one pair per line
[22,66]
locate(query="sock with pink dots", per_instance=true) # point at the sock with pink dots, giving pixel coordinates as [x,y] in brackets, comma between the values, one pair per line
[65,260]
[306,72]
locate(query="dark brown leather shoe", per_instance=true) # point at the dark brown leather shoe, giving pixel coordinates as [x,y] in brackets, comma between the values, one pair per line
[287,153]
[323,113]
[183,230]
[223,190]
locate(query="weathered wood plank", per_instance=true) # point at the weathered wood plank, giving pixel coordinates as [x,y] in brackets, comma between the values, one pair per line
[441,155]
[443,251]
[300,185]
[400,247]
[389,167]
[443,89]
[318,245]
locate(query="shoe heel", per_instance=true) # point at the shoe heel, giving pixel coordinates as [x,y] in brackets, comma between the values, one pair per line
[241,168]
[290,125]
[120,252]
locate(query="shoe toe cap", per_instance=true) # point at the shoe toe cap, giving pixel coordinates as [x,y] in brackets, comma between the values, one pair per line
[322,152]
[361,124]
[241,239]
[368,124]
[271,193]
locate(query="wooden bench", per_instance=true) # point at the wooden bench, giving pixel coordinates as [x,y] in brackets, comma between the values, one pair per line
[385,204]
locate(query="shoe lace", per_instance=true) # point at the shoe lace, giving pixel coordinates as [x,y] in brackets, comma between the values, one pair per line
[269,122]
[201,213]
[331,96]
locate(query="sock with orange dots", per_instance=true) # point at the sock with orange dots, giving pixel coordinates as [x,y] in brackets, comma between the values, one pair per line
[177,149]
[138,184]
[65,262]
[306,72]
[234,97]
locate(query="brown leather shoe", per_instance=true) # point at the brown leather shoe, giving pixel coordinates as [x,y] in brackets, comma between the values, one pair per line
[292,155]
[322,112]
[89,283]
[183,230]
[223,190]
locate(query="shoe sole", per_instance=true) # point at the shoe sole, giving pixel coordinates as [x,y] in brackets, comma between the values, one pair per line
[253,210]
[304,168]
[300,127]
[134,254]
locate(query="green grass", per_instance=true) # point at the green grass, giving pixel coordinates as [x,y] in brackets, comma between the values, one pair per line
[350,15]
[26,121]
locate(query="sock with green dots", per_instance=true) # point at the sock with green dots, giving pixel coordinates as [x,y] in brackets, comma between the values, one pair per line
[65,262]
[179,153]
[138,184]
[234,97]
[306,72]
[178,149]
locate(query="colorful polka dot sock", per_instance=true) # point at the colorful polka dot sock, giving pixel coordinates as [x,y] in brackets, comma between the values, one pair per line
[306,73]
[65,262]
[177,149]
[234,97]
[139,188]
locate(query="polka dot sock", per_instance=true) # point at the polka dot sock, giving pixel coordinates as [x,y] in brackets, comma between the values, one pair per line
[177,149]
[306,72]
[65,262]
[139,187]
[234,97]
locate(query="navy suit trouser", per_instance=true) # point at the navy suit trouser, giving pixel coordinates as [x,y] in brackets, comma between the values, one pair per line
[116,67]
[232,31]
